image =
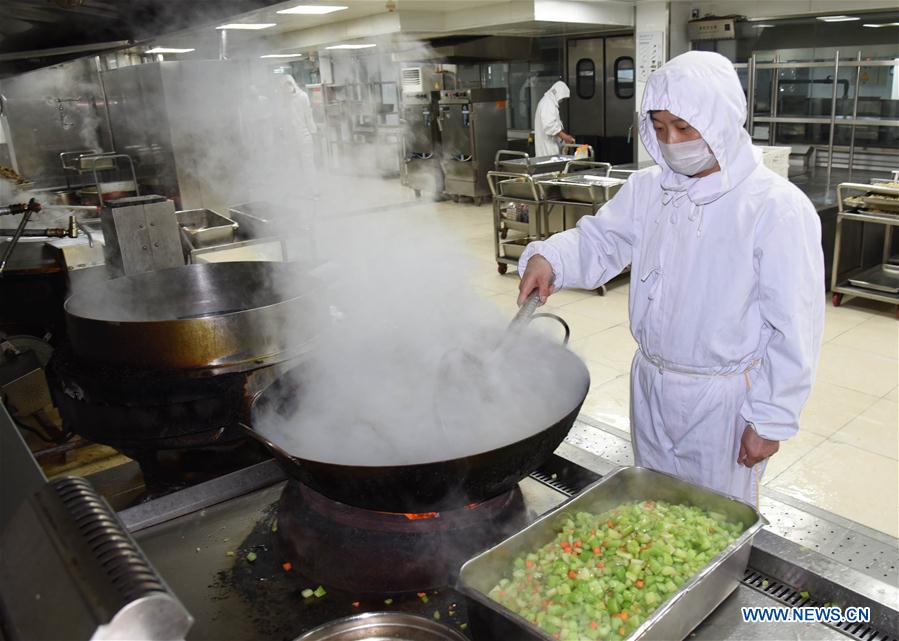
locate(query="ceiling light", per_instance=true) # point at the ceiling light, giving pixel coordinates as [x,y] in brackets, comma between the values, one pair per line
[282,55]
[313,9]
[762,26]
[366,46]
[168,50]
[838,18]
[248,26]
[882,24]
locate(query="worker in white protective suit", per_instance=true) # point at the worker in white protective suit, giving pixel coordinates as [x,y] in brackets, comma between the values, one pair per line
[726,284]
[548,131]
[299,126]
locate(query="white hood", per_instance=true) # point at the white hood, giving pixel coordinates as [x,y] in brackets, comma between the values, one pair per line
[559,91]
[702,88]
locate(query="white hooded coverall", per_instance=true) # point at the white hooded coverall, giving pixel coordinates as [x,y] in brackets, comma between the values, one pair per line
[300,125]
[547,122]
[726,286]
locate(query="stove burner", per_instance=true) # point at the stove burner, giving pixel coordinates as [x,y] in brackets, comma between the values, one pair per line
[371,552]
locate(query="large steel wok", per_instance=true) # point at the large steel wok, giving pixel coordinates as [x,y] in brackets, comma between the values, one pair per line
[216,317]
[425,487]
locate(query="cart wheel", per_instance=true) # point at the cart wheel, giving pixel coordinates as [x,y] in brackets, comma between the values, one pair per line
[601,290]
[501,268]
[836,299]
[503,232]
[418,193]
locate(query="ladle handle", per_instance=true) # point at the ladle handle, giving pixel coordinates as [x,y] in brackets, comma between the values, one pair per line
[523,317]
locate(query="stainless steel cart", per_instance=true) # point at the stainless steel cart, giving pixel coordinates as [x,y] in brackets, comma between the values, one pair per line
[518,206]
[878,204]
[582,188]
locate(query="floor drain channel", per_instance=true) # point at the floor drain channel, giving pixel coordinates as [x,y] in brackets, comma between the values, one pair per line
[792,597]
[547,479]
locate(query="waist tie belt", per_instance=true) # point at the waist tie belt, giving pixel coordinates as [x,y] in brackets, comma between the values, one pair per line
[739,370]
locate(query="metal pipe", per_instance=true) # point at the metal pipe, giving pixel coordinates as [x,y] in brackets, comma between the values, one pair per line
[223,44]
[64,51]
[833,121]
[750,90]
[858,78]
[15,239]
[775,99]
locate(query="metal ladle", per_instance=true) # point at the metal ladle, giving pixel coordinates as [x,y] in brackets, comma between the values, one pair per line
[461,373]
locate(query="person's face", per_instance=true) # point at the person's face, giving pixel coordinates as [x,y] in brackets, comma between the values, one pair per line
[670,129]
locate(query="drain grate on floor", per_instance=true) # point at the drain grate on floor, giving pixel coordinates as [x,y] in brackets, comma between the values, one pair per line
[790,596]
[554,483]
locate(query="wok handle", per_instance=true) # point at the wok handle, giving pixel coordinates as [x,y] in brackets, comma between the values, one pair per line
[561,321]
[259,438]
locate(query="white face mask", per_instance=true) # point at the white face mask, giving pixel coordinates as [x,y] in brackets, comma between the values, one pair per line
[688,158]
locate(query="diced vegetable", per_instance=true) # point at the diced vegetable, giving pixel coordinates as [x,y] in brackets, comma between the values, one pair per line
[251,556]
[307,593]
[229,553]
[603,575]
[287,566]
[436,615]
[388,601]
[803,594]
[319,592]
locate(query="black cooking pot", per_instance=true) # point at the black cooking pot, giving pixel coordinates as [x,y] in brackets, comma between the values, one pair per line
[424,487]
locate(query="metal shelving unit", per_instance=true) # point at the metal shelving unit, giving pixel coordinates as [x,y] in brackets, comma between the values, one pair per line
[833,121]
[881,282]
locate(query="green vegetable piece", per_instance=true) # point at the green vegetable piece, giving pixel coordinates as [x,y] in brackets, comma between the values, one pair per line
[436,615]
[274,527]
[251,556]
[319,592]
[803,594]
[463,626]
[388,601]
[229,553]
[307,593]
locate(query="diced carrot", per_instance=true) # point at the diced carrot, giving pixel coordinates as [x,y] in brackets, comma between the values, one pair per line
[578,543]
[593,625]
[287,566]
[601,565]
[622,631]
[597,550]
[355,604]
[639,584]
[609,523]
[529,563]
[421,594]
[623,615]
[572,574]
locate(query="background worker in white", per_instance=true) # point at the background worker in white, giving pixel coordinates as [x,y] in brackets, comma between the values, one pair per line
[726,285]
[299,126]
[548,131]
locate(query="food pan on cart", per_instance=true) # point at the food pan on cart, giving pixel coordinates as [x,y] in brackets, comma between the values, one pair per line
[674,617]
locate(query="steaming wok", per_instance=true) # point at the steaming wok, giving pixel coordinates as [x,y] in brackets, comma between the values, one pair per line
[424,487]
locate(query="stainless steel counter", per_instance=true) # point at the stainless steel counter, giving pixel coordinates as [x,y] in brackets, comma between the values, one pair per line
[231,598]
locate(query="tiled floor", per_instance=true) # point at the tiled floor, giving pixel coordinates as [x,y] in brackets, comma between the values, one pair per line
[844,459]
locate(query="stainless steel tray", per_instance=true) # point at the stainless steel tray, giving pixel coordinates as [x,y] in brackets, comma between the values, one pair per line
[206,228]
[538,165]
[675,617]
[582,188]
[521,187]
[881,278]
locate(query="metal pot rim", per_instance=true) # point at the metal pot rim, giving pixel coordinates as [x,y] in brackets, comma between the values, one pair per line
[394,621]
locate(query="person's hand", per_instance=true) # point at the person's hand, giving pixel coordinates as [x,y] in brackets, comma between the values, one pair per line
[537,275]
[568,139]
[753,448]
